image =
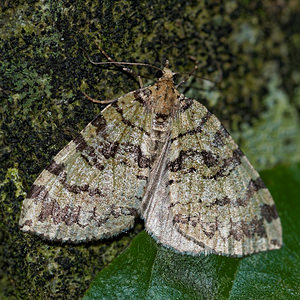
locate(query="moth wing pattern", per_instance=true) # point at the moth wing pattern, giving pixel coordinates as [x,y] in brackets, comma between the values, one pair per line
[159,219]
[93,187]
[217,199]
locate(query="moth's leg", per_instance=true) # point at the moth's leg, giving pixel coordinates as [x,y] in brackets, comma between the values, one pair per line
[98,101]
[119,65]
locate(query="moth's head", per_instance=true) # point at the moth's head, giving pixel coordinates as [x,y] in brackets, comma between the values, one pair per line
[167,73]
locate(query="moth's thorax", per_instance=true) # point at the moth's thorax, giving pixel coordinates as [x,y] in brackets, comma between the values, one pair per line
[163,103]
[165,95]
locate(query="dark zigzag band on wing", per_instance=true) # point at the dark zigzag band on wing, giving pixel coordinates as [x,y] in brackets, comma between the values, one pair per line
[128,122]
[237,229]
[70,215]
[198,129]
[109,150]
[209,160]
[253,187]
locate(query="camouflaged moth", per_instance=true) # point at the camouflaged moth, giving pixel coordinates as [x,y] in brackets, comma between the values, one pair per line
[156,154]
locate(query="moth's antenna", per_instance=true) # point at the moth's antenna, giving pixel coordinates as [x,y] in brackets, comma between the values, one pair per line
[195,69]
[120,64]
[200,77]
[190,73]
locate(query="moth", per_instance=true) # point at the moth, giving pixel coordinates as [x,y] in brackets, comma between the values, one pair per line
[156,154]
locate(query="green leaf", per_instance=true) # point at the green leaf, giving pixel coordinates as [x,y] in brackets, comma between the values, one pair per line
[275,274]
[150,271]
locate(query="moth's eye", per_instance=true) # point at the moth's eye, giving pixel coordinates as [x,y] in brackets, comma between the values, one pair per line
[159,74]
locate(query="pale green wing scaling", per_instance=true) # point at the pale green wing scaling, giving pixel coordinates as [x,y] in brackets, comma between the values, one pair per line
[217,199]
[94,186]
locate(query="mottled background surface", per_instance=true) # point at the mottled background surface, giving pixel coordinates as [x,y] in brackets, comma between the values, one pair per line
[44,67]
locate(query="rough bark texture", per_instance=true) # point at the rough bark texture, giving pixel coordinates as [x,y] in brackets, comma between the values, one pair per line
[44,67]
